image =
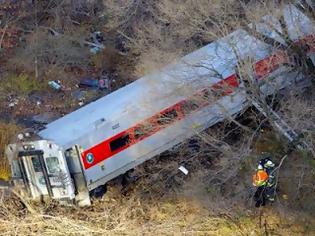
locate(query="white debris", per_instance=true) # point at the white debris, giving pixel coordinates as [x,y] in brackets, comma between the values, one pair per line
[13,102]
[184,170]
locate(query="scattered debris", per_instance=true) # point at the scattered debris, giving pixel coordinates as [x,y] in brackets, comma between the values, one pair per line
[184,170]
[95,50]
[55,84]
[53,32]
[105,82]
[96,43]
[13,102]
[97,37]
[89,83]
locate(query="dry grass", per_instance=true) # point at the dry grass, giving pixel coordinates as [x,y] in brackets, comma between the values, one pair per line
[192,208]
[136,215]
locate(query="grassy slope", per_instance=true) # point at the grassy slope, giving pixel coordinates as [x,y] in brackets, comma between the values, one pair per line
[169,215]
[194,208]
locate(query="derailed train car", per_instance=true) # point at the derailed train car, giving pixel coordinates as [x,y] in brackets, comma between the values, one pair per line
[85,149]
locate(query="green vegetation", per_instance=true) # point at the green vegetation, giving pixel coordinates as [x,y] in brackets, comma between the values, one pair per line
[21,84]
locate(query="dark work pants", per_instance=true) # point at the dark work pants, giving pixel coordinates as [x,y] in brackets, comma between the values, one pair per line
[270,193]
[260,196]
[263,194]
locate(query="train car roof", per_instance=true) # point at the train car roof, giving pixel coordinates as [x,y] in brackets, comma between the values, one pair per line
[152,93]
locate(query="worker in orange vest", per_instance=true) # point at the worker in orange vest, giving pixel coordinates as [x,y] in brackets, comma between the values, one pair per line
[264,180]
[260,180]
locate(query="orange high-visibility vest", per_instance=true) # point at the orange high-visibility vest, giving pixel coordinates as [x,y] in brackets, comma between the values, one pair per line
[260,178]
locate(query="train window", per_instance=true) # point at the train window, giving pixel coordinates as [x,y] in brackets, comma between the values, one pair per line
[139,132]
[217,92]
[167,117]
[143,130]
[189,106]
[206,94]
[36,164]
[52,164]
[119,142]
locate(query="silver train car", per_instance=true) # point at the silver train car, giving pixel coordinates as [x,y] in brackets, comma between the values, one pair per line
[104,139]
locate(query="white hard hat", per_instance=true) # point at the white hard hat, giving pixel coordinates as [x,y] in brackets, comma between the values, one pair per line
[270,163]
[260,167]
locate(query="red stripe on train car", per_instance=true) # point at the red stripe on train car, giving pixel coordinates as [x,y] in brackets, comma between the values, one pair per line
[102,151]
[150,126]
[267,65]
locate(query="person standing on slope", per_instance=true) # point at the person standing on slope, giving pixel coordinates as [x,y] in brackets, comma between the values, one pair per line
[264,180]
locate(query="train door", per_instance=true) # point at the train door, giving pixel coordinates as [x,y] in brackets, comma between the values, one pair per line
[46,176]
